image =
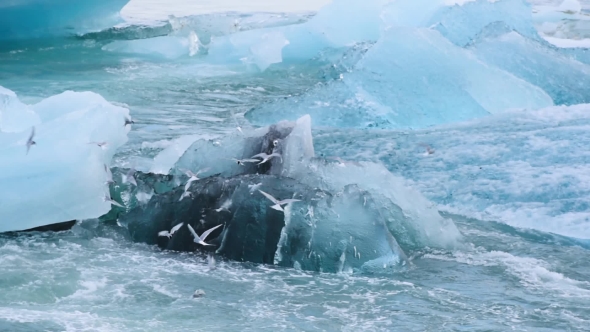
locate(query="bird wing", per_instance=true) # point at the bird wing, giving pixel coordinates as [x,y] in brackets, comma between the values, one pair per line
[207,232]
[197,238]
[260,155]
[287,201]
[250,160]
[188,184]
[277,207]
[116,203]
[163,233]
[176,228]
[32,134]
[108,171]
[272,199]
[188,173]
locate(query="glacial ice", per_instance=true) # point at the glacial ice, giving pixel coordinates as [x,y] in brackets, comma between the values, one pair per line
[344,210]
[62,177]
[563,78]
[461,23]
[40,18]
[409,78]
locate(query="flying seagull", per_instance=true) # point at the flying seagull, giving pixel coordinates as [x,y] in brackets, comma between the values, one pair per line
[112,201]
[242,162]
[278,203]
[192,177]
[266,157]
[109,174]
[128,121]
[172,231]
[30,141]
[429,149]
[186,193]
[225,206]
[129,177]
[102,145]
[201,239]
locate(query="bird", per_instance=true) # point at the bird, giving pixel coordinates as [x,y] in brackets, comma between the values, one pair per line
[278,203]
[129,177]
[429,149]
[112,201]
[128,121]
[172,231]
[201,239]
[30,141]
[225,206]
[186,193]
[192,177]
[109,174]
[198,294]
[254,187]
[102,145]
[266,157]
[238,127]
[242,162]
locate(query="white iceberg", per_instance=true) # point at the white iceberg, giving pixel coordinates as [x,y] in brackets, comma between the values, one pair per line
[62,177]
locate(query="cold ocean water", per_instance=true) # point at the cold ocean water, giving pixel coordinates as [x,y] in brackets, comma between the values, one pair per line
[471,110]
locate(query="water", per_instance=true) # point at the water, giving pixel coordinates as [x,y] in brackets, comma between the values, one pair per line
[92,278]
[514,183]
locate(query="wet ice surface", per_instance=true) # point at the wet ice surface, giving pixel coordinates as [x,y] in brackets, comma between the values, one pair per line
[93,278]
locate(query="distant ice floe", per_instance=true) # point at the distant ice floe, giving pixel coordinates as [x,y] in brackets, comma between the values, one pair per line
[62,177]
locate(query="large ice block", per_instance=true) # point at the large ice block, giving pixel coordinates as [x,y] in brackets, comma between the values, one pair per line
[62,177]
[410,78]
[39,18]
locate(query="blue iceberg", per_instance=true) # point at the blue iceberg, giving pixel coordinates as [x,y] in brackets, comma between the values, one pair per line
[21,19]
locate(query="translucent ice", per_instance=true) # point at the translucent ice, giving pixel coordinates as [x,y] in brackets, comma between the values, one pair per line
[349,217]
[37,18]
[562,77]
[410,78]
[62,177]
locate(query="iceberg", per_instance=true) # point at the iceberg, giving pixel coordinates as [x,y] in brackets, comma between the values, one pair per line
[42,18]
[62,177]
[411,78]
[345,219]
[562,77]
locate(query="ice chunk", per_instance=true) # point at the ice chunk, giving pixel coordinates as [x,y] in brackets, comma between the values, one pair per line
[409,78]
[37,18]
[62,177]
[268,50]
[462,22]
[563,78]
[348,217]
[314,233]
